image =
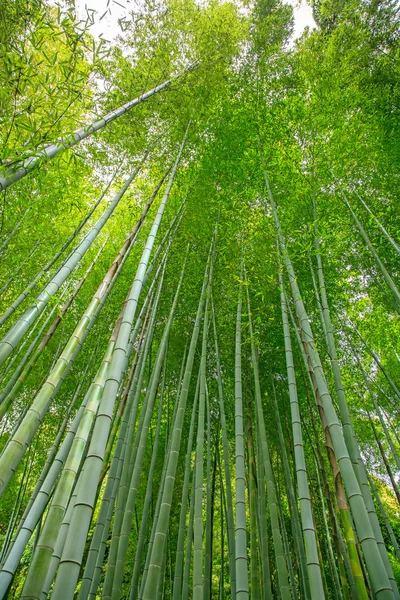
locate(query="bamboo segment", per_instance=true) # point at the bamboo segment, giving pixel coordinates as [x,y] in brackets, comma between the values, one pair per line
[32,284]
[242,583]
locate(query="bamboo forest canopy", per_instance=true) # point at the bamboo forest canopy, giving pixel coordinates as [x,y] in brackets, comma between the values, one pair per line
[199,302]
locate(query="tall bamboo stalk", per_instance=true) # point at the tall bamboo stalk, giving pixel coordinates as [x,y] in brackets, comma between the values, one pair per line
[151,584]
[227,472]
[308,525]
[241,559]
[69,567]
[198,578]
[271,491]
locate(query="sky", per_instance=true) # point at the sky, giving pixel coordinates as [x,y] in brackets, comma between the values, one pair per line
[106,17]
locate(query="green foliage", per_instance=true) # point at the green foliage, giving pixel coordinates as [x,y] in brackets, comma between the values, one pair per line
[324,111]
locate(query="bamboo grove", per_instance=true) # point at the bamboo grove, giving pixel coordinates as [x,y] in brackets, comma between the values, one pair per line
[200,298]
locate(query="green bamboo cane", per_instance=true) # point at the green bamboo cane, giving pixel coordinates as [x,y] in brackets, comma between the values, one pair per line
[348,429]
[32,284]
[384,517]
[262,523]
[390,283]
[53,452]
[131,444]
[142,436]
[230,521]
[147,502]
[198,580]
[241,559]
[338,591]
[17,372]
[98,546]
[179,559]
[25,321]
[163,475]
[41,403]
[46,339]
[54,470]
[189,545]
[221,594]
[151,584]
[308,525]
[252,494]
[341,550]
[129,385]
[31,519]
[112,484]
[36,576]
[68,571]
[381,584]
[271,491]
[299,546]
[10,364]
[207,593]
[15,510]
[379,224]
[286,546]
[159,495]
[51,150]
[349,533]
